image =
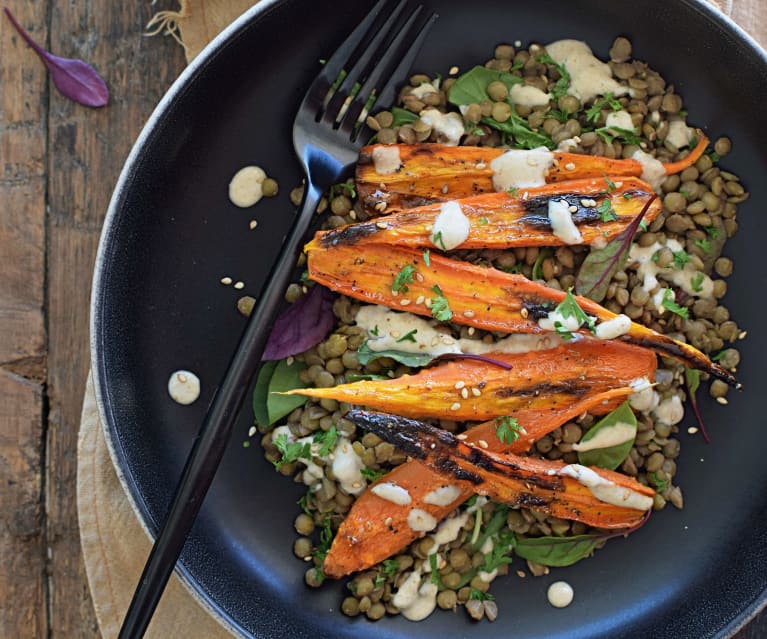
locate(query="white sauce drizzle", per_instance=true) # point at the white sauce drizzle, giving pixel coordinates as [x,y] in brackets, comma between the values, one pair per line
[562,224]
[692,281]
[347,467]
[615,327]
[560,594]
[528,95]
[448,126]
[414,600]
[679,134]
[670,411]
[606,490]
[607,437]
[386,159]
[554,318]
[644,398]
[443,495]
[519,168]
[451,226]
[423,89]
[184,387]
[393,493]
[421,521]
[246,187]
[620,120]
[385,327]
[589,76]
[653,171]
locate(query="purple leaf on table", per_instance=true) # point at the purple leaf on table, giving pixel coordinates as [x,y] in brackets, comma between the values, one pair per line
[75,79]
[303,325]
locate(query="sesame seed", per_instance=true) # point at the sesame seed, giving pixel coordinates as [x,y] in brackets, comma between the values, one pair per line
[395,334]
[251,431]
[570,166]
[253,224]
[468,314]
[182,378]
[380,225]
[471,330]
[482,443]
[446,339]
[239,285]
[455,406]
[722,400]
[524,313]
[742,334]
[444,189]
[532,162]
[226,281]
[461,436]
[572,208]
[459,385]
[395,293]
[476,392]
[427,302]
[521,574]
[419,277]
[481,165]
[380,207]
[434,341]
[404,302]
[289,361]
[692,430]
[353,214]
[465,393]
[419,299]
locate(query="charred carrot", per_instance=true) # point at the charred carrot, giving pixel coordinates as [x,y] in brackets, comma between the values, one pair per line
[376,528]
[472,295]
[594,496]
[433,172]
[475,390]
[601,208]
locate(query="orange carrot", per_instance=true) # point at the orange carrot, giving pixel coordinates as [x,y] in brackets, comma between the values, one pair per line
[434,172]
[471,295]
[376,528]
[502,220]
[541,380]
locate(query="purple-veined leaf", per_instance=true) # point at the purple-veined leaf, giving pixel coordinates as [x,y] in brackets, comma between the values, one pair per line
[75,79]
[692,380]
[601,264]
[479,358]
[303,325]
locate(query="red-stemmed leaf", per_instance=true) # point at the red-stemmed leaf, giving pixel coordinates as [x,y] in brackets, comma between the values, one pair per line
[75,79]
[304,324]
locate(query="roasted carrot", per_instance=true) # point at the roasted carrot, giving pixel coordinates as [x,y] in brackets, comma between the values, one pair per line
[434,172]
[542,485]
[505,220]
[537,380]
[376,528]
[471,295]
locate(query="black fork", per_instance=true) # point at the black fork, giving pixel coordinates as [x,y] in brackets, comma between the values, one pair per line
[368,67]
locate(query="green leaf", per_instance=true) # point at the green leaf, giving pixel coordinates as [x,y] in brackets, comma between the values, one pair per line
[519,130]
[680,259]
[471,87]
[365,354]
[544,253]
[327,440]
[440,309]
[562,85]
[403,278]
[612,456]
[402,116]
[605,210]
[600,265]
[557,551]
[291,451]
[273,378]
[608,101]
[610,133]
[507,429]
[692,376]
[670,304]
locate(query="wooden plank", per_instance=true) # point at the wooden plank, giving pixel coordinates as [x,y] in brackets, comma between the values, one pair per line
[23,109]
[87,150]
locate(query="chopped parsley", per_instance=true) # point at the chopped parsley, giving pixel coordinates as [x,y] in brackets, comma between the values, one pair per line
[611,186]
[371,474]
[611,133]
[680,259]
[291,451]
[670,304]
[434,566]
[438,241]
[507,429]
[608,101]
[427,257]
[606,211]
[404,277]
[322,549]
[562,85]
[440,309]
[696,281]
[713,232]
[513,191]
[327,440]
[409,336]
[483,221]
[475,593]
[569,307]
[374,332]
[704,245]
[660,483]
[343,188]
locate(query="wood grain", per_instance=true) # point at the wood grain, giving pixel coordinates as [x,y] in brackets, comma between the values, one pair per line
[87,148]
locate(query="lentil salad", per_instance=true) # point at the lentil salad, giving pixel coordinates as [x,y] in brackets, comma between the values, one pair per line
[699,213]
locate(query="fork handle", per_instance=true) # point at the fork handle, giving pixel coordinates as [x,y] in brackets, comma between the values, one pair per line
[216,429]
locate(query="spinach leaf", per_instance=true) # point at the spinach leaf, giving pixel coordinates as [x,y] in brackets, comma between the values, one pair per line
[692,381]
[612,456]
[557,551]
[273,378]
[601,264]
[519,130]
[402,116]
[471,87]
[365,354]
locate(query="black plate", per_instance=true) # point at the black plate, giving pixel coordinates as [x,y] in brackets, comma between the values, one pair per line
[171,234]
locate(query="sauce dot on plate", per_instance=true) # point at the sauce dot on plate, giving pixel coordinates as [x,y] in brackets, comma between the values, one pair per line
[184,387]
[246,187]
[560,594]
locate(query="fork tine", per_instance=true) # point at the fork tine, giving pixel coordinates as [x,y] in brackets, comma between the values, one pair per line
[396,76]
[319,88]
[359,67]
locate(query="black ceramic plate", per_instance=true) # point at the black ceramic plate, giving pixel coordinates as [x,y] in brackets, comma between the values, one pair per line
[158,306]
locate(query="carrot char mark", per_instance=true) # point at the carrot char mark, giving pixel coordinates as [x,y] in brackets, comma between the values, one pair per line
[537,209]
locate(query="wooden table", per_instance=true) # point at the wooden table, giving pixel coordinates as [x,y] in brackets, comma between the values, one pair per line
[60,162]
